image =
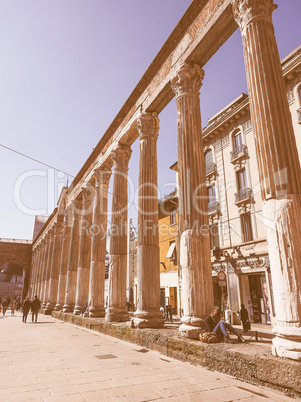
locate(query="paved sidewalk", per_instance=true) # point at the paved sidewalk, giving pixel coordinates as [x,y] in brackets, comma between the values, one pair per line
[56,361]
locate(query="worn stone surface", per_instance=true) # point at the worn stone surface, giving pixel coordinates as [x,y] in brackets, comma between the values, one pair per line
[252,362]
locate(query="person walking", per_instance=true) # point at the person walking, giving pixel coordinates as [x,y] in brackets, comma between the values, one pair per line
[244,316]
[168,313]
[5,305]
[13,306]
[35,307]
[25,308]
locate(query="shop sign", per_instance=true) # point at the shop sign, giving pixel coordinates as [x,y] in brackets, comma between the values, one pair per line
[221,283]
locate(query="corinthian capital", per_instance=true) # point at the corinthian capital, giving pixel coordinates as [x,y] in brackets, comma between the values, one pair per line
[121,156]
[103,173]
[187,80]
[148,125]
[245,11]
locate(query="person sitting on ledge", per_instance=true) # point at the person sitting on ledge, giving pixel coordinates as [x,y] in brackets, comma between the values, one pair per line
[213,323]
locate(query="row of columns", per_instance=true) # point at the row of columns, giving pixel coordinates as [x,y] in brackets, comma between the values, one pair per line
[69,262]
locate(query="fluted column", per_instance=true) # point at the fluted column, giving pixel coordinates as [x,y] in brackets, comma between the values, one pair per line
[48,261]
[73,257]
[83,270]
[194,244]
[36,271]
[63,264]
[116,310]
[43,267]
[148,253]
[99,238]
[33,271]
[55,265]
[279,167]
[39,269]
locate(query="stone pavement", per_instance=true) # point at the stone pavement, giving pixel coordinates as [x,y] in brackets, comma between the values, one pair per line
[55,361]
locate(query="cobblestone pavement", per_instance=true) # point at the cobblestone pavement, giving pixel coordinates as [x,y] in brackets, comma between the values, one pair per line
[55,361]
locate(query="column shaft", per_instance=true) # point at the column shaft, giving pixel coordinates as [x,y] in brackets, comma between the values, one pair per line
[197,288]
[279,167]
[54,271]
[148,253]
[116,310]
[64,255]
[73,257]
[98,247]
[83,270]
[47,268]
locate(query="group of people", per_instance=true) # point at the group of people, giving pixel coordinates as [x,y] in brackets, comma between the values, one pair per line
[34,306]
[14,305]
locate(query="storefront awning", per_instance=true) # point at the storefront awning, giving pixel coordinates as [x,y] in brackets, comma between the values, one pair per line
[171,250]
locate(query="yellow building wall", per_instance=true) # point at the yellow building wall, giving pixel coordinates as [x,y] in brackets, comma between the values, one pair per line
[167,234]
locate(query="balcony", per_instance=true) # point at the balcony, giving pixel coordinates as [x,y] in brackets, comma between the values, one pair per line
[239,152]
[243,195]
[211,169]
[214,208]
[299,115]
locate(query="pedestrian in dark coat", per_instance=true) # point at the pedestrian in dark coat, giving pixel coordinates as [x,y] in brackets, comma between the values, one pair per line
[244,316]
[35,307]
[25,308]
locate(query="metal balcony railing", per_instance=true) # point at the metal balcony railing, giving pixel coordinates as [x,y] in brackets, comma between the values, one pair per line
[299,115]
[244,194]
[214,207]
[212,168]
[239,152]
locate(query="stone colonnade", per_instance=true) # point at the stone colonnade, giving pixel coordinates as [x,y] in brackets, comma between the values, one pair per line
[69,260]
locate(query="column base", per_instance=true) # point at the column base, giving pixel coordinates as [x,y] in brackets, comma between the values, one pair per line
[68,308]
[145,319]
[58,307]
[77,310]
[287,342]
[118,315]
[96,312]
[49,308]
[191,327]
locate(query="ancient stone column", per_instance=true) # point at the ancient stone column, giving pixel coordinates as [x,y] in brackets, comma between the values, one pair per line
[33,271]
[99,238]
[55,265]
[193,218]
[148,253]
[279,167]
[64,255]
[40,268]
[47,267]
[43,267]
[83,270]
[73,257]
[116,310]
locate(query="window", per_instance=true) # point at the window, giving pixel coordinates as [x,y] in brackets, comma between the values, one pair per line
[214,237]
[241,179]
[173,214]
[246,227]
[237,140]
[208,158]
[211,194]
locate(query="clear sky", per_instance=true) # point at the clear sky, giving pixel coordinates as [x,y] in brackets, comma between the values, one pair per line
[67,67]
